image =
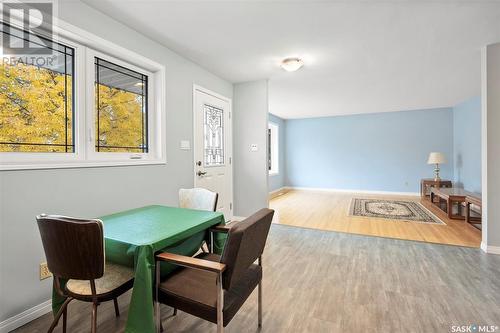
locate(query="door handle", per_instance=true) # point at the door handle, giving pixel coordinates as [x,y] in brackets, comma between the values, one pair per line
[200,173]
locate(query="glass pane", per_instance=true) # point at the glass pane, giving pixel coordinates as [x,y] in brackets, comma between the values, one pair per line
[121,109]
[214,135]
[36,99]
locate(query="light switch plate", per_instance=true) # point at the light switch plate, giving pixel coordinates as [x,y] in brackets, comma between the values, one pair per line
[185,145]
[254,147]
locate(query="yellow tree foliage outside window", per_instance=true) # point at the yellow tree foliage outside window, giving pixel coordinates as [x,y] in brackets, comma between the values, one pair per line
[119,125]
[32,109]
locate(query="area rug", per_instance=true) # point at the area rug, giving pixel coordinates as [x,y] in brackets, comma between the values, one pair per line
[400,210]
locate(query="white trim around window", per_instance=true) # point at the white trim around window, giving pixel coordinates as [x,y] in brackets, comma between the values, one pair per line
[84,115]
[152,136]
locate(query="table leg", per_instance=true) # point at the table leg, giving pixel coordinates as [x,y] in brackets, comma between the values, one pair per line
[450,209]
[467,212]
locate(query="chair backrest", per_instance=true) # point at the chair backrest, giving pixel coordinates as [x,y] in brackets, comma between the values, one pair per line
[74,248]
[244,245]
[198,198]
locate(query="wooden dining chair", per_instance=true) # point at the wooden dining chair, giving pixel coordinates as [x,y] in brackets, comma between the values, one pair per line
[202,199]
[198,198]
[74,249]
[214,287]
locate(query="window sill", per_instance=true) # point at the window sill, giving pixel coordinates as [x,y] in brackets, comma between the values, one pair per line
[78,164]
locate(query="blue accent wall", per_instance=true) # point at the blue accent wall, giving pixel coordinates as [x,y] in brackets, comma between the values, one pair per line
[378,152]
[278,181]
[467,144]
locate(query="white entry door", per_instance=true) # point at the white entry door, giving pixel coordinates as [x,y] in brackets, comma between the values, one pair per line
[213,148]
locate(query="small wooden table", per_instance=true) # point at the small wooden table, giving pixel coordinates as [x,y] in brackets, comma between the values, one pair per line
[476,201]
[452,196]
[427,183]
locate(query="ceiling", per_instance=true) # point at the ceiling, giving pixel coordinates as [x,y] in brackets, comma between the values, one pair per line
[360,56]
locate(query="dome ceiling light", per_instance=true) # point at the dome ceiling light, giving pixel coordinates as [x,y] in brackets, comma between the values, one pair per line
[292,64]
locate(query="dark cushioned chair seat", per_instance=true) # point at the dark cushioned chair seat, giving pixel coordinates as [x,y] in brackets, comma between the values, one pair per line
[194,291]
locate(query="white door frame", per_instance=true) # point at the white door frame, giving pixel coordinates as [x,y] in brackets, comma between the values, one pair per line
[229,146]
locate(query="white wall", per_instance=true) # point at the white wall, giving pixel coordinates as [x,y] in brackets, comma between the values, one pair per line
[92,192]
[277,181]
[467,144]
[250,105]
[491,146]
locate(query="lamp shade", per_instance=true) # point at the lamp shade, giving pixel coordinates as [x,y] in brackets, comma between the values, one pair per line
[436,158]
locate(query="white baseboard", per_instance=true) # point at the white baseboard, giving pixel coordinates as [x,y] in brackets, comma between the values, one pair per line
[281,189]
[25,317]
[412,194]
[278,192]
[490,249]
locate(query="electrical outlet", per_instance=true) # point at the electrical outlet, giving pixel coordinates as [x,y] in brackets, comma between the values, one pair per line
[44,271]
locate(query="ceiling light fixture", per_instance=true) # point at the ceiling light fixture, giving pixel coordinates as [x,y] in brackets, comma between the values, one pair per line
[292,64]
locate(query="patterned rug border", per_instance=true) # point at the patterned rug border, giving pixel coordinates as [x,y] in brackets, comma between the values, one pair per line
[437,220]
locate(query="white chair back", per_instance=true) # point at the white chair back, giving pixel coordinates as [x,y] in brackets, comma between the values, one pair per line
[198,198]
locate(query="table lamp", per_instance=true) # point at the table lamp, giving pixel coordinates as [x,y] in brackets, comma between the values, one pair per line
[436,158]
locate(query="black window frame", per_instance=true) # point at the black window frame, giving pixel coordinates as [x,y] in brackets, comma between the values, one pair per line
[144,148]
[69,147]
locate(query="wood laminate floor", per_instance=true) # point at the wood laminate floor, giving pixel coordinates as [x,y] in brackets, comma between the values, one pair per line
[330,211]
[321,281]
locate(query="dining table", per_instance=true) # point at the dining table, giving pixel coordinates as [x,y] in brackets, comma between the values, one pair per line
[133,237]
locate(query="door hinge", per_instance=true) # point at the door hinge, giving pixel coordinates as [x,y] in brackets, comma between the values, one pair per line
[230,206]
[230,160]
[229,115]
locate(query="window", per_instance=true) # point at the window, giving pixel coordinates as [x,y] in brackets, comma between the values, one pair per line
[273,148]
[213,127]
[83,108]
[36,100]
[121,109]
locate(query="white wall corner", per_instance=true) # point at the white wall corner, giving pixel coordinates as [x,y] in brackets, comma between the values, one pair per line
[484,247]
[490,249]
[484,146]
[25,317]
[490,145]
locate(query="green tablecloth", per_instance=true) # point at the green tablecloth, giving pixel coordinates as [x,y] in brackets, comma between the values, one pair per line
[133,237]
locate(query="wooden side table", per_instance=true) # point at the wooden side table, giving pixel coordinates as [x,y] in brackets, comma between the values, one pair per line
[476,201]
[452,197]
[427,183]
